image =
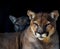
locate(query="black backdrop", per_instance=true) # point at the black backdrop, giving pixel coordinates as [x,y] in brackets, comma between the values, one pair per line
[19,8]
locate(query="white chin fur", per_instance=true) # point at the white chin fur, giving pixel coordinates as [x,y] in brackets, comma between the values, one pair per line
[43,35]
[38,36]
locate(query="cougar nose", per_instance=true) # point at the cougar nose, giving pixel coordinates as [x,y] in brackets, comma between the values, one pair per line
[40,30]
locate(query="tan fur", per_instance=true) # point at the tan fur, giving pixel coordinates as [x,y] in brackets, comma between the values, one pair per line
[28,38]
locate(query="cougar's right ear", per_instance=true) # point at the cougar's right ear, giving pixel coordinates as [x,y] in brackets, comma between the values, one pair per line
[31,14]
[12,18]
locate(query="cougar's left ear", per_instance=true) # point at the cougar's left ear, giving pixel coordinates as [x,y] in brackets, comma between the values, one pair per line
[55,14]
[12,18]
[31,14]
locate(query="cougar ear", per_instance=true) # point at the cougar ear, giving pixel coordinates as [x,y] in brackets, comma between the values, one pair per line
[12,18]
[55,14]
[31,14]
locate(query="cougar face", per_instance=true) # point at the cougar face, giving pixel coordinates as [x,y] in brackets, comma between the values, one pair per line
[43,24]
[20,23]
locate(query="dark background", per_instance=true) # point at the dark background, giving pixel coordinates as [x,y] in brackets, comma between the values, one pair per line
[19,8]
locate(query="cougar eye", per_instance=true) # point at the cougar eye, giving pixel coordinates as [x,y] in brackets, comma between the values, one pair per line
[36,24]
[17,24]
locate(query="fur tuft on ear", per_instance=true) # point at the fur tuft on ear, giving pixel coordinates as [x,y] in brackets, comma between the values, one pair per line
[12,18]
[55,14]
[31,14]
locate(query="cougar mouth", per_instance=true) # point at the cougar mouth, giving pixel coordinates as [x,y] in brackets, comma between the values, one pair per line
[40,36]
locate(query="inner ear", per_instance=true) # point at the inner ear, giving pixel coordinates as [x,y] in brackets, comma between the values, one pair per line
[12,18]
[31,14]
[55,14]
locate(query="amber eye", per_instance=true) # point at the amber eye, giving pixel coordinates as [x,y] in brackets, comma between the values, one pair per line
[48,27]
[36,25]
